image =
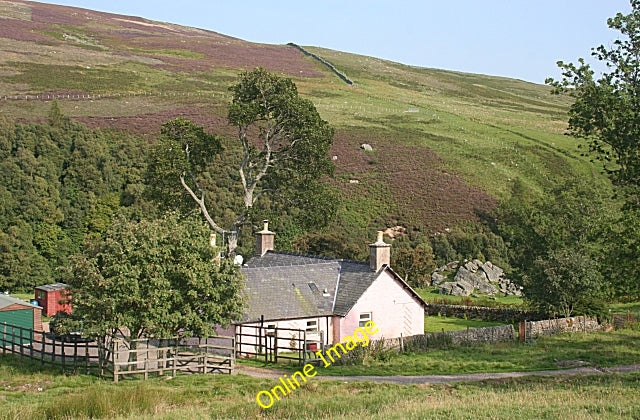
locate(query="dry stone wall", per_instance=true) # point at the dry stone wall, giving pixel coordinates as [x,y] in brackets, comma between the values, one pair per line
[561,325]
[483,335]
[471,336]
[325,62]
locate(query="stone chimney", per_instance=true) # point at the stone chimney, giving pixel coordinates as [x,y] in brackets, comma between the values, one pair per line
[264,240]
[379,253]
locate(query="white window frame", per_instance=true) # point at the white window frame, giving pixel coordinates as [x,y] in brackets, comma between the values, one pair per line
[364,318]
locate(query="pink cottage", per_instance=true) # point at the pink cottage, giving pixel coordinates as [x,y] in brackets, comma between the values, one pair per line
[327,297]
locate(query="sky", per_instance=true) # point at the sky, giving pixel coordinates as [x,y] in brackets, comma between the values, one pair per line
[522,39]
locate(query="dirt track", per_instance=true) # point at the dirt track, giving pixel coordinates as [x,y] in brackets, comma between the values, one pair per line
[444,379]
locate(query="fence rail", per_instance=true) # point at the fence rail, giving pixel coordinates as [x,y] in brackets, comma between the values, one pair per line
[49,350]
[275,343]
[119,357]
[146,356]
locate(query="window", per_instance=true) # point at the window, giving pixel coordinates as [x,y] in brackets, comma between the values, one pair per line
[312,326]
[364,318]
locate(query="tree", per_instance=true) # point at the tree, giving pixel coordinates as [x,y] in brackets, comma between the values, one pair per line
[559,244]
[606,111]
[284,155]
[284,141]
[156,278]
[181,156]
[563,281]
[414,265]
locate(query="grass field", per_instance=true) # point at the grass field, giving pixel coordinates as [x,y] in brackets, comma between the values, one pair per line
[602,349]
[432,295]
[25,392]
[444,323]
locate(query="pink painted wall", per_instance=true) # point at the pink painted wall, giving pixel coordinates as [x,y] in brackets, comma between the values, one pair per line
[392,308]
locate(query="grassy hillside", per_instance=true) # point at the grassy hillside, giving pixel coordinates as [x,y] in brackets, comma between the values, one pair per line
[446,145]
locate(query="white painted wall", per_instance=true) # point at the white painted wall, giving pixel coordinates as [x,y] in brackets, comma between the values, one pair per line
[284,337]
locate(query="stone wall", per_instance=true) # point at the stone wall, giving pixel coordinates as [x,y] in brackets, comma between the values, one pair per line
[483,335]
[561,325]
[496,334]
[484,313]
[325,62]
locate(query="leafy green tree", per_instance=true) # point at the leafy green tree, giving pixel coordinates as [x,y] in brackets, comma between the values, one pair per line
[414,265]
[285,143]
[563,281]
[554,238]
[444,252]
[157,278]
[606,111]
[284,155]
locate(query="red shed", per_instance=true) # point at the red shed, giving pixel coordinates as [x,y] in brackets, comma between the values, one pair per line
[53,298]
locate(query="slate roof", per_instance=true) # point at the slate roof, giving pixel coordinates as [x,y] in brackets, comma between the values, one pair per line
[281,286]
[6,300]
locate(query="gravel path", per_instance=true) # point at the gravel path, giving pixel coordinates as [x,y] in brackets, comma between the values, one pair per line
[445,379]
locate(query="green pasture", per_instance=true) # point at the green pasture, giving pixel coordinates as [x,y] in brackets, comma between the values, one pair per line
[27,392]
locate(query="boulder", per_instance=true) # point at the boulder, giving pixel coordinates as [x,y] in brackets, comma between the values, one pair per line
[437,278]
[470,277]
[493,272]
[366,147]
[456,288]
[453,265]
[471,266]
[447,288]
[488,288]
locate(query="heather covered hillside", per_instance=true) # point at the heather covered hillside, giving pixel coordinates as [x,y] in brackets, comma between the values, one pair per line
[445,147]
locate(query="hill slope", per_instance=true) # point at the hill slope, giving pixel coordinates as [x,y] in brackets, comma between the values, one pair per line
[446,145]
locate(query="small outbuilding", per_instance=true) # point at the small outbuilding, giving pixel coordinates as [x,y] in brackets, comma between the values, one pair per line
[18,314]
[53,298]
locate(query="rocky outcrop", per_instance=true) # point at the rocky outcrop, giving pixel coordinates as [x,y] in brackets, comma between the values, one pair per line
[437,278]
[474,276]
[456,288]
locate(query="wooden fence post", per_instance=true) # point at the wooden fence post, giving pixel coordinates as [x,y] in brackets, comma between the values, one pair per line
[63,355]
[116,350]
[275,347]
[100,343]
[175,356]
[43,349]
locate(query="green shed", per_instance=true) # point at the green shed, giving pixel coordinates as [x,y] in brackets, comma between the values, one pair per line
[18,320]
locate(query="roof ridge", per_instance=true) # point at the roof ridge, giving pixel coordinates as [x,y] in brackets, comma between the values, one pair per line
[283,265]
[295,254]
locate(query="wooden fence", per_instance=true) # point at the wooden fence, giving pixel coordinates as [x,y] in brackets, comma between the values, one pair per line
[77,355]
[117,357]
[193,355]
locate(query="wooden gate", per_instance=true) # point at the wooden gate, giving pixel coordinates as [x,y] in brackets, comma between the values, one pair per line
[273,344]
